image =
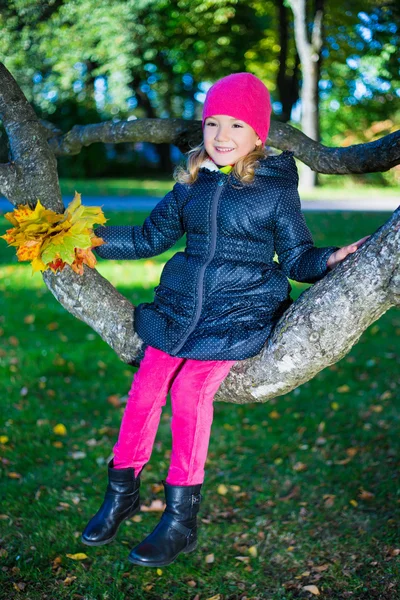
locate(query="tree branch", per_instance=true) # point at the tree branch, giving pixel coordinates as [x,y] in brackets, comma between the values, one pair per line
[8,179]
[381,155]
[35,162]
[356,293]
[305,341]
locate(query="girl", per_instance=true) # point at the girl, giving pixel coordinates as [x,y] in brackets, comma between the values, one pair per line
[217,302]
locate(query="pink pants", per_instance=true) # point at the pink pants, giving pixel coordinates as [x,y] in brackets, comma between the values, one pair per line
[194,385]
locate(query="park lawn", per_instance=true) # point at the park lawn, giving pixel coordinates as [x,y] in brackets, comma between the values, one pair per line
[300,491]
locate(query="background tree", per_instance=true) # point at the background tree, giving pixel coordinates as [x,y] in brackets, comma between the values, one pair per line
[149,59]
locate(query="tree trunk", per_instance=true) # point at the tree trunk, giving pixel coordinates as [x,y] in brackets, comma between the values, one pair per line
[305,340]
[309,56]
[288,85]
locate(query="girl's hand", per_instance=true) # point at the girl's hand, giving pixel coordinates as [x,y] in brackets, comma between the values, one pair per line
[337,257]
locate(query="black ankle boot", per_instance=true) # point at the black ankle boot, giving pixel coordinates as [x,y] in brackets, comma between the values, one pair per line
[177,530]
[121,501]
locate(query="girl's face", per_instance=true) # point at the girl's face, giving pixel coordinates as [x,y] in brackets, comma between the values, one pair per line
[227,139]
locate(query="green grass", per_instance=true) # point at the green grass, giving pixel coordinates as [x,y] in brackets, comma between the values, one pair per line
[158,187]
[310,525]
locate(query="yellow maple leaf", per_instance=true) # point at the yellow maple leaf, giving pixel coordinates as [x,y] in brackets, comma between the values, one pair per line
[29,251]
[38,265]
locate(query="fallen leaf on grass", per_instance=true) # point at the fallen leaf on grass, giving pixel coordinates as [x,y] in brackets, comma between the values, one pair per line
[294,493]
[209,558]
[343,462]
[156,505]
[364,495]
[312,589]
[13,475]
[300,466]
[343,389]
[56,562]
[321,568]
[304,574]
[114,400]
[274,415]
[60,429]
[222,489]
[77,556]
[329,500]
[244,559]
[70,579]
[77,455]
[253,551]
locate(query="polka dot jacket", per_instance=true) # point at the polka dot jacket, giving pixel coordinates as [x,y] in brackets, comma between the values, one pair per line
[220,298]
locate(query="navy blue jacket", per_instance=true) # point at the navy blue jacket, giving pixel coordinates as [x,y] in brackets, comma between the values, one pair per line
[220,298]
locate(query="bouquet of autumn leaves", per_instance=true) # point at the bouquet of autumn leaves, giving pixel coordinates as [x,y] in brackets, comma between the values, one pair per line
[50,240]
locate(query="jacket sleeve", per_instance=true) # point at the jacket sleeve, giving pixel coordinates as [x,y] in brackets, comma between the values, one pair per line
[298,258]
[160,230]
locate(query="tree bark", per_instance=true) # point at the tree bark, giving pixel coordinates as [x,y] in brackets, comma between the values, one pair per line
[305,340]
[309,57]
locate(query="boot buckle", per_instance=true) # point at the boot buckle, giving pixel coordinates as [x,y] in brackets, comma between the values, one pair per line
[196,498]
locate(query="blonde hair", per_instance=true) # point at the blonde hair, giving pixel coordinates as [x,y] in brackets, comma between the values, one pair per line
[243,169]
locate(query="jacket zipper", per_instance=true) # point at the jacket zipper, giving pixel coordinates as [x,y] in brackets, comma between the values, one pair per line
[217,194]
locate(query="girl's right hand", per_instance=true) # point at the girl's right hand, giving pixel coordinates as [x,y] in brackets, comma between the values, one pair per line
[337,257]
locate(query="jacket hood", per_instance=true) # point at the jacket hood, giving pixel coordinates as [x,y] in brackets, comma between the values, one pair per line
[280,165]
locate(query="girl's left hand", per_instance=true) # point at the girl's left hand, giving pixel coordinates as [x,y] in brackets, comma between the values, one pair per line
[337,257]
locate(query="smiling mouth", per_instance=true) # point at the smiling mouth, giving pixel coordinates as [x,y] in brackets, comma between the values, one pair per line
[223,149]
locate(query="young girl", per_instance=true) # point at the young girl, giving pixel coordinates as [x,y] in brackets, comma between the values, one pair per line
[217,303]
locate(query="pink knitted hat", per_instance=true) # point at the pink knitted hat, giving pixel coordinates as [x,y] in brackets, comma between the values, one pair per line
[242,96]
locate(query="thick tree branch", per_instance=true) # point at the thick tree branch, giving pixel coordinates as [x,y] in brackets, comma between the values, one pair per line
[35,162]
[305,340]
[93,300]
[381,155]
[356,293]
[8,179]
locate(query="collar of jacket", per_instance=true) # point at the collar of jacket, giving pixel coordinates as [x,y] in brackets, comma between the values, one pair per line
[209,165]
[278,165]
